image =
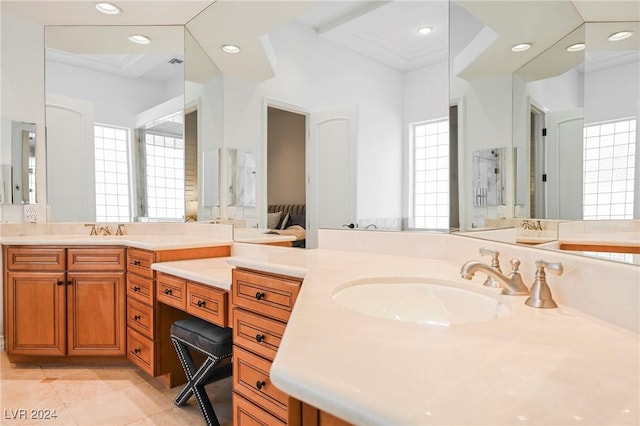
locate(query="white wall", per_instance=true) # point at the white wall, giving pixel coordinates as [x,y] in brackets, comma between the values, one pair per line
[22,87]
[426,97]
[485,123]
[116,99]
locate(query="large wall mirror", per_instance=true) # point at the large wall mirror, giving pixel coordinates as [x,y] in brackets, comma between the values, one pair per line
[576,108]
[115,123]
[18,163]
[363,79]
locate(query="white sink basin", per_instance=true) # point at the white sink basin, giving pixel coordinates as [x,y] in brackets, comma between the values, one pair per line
[420,301]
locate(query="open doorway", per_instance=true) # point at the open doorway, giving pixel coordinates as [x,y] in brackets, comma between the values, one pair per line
[537,173]
[286,169]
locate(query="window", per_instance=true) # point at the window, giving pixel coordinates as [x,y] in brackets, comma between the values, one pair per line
[112,173]
[609,166]
[430,175]
[164,154]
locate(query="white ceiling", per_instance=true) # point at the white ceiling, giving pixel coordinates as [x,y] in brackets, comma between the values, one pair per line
[382,30]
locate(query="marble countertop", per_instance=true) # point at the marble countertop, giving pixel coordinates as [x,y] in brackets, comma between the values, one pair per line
[259,236]
[142,241]
[534,366]
[212,271]
[626,239]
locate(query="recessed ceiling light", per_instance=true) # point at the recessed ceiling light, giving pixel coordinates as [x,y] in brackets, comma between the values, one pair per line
[230,48]
[576,47]
[520,47]
[108,8]
[139,39]
[620,35]
[424,30]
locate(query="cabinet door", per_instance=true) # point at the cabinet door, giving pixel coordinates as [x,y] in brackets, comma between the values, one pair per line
[36,313]
[96,318]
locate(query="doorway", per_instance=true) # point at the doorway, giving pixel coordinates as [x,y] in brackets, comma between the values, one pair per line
[537,167]
[286,154]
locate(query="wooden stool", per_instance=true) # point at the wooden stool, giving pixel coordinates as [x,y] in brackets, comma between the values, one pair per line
[216,344]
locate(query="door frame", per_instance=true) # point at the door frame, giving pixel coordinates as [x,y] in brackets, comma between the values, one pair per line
[262,200]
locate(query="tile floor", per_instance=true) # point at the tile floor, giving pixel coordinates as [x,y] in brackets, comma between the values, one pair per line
[109,395]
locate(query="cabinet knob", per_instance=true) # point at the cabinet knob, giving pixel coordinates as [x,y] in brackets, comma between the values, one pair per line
[136,351]
[136,289]
[201,303]
[69,282]
[136,317]
[259,295]
[60,283]
[167,291]
[259,337]
[260,384]
[136,263]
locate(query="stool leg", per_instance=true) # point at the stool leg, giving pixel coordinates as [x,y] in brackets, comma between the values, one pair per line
[195,384]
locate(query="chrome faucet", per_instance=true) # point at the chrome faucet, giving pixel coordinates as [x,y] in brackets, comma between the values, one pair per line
[511,284]
[495,264]
[531,226]
[104,230]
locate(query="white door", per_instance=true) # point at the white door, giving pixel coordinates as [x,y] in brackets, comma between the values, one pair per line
[70,159]
[331,161]
[564,164]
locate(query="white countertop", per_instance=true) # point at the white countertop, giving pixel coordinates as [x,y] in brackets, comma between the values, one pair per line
[259,236]
[534,366]
[626,239]
[142,241]
[212,271]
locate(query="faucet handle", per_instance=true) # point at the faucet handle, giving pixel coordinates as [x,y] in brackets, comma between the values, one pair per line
[553,267]
[540,296]
[94,231]
[495,262]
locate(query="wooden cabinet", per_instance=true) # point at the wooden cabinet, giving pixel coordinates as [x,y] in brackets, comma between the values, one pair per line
[262,304]
[149,322]
[96,313]
[35,313]
[65,301]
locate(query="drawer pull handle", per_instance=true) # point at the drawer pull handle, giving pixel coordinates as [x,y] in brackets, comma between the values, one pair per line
[136,351]
[136,263]
[260,384]
[136,289]
[201,303]
[136,317]
[167,291]
[259,337]
[259,295]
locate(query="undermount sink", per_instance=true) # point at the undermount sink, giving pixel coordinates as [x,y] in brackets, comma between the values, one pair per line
[420,301]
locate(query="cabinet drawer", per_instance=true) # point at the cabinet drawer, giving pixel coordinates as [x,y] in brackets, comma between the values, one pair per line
[140,317]
[171,291]
[40,259]
[96,259]
[207,302]
[251,380]
[140,351]
[268,295]
[139,262]
[256,333]
[140,288]
[247,414]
